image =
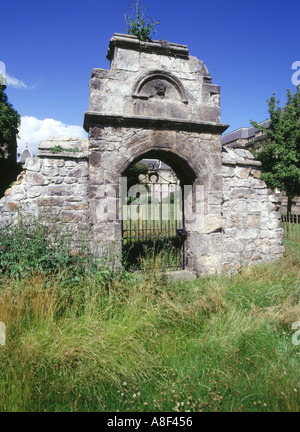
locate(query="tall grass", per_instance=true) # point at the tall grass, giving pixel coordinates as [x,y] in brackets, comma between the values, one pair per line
[33,246]
[143,342]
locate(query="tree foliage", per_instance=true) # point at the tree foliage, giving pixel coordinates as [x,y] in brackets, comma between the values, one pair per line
[279,150]
[140,26]
[9,121]
[9,125]
[133,172]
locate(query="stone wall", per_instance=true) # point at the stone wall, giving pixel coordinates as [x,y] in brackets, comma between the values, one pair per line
[53,184]
[248,138]
[156,101]
[252,230]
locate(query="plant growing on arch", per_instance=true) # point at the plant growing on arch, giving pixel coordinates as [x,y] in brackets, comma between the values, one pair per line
[139,26]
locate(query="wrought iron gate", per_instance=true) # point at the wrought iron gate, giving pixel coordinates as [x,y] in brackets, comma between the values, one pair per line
[152,221]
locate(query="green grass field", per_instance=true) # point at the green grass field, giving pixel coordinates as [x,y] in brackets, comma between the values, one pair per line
[121,341]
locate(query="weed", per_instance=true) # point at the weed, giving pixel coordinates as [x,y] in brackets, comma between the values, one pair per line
[138,341]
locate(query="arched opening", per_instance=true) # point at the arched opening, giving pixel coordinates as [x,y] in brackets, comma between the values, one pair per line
[153,210]
[183,170]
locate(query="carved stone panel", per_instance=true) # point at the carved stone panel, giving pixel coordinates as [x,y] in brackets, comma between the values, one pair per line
[159,85]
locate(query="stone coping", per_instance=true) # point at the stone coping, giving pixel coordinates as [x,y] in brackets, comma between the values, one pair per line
[239,157]
[244,162]
[63,154]
[156,46]
[66,147]
[93,118]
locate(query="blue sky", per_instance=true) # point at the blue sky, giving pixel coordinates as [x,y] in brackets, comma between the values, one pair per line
[50,48]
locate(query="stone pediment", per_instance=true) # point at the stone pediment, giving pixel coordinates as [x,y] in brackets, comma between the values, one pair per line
[159,85]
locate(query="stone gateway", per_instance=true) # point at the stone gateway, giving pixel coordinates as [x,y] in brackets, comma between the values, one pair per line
[155,102]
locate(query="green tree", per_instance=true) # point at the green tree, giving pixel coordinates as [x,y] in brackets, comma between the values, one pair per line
[279,150]
[9,127]
[9,123]
[133,172]
[140,26]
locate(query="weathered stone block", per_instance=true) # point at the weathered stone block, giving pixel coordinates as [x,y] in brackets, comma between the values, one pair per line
[35,178]
[244,172]
[32,164]
[34,191]
[256,173]
[57,162]
[253,221]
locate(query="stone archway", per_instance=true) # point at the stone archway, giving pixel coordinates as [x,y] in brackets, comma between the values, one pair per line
[153,212]
[152,215]
[155,101]
[187,154]
[160,103]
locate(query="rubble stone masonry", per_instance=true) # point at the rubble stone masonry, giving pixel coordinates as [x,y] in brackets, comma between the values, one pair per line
[155,101]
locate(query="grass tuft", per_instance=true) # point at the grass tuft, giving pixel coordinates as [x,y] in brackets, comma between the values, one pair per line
[138,341]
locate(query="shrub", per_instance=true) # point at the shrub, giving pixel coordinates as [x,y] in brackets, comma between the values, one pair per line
[31,246]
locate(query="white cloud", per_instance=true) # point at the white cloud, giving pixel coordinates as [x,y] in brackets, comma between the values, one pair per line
[2,73]
[33,130]
[14,82]
[8,80]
